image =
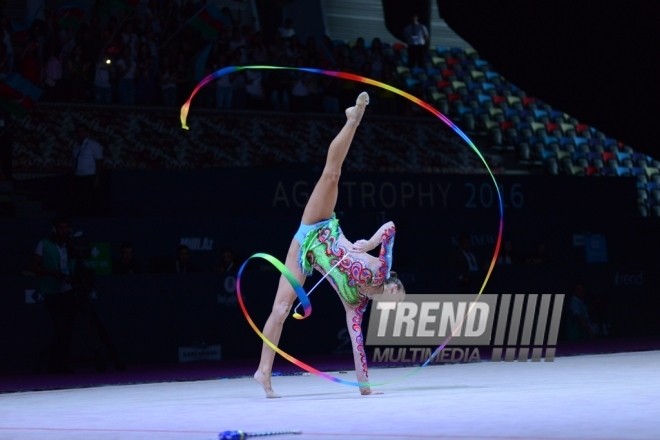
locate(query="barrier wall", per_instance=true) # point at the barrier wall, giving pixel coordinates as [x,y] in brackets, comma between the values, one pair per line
[151,316]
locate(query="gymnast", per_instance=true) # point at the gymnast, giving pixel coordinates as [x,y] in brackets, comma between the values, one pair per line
[320,244]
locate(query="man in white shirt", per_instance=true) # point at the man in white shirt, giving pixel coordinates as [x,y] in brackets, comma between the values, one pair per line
[102,86]
[417,37]
[86,163]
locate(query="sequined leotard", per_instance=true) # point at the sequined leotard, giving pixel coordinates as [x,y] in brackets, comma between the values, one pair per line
[322,249]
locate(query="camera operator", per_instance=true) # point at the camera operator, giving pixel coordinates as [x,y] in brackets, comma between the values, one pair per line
[66,284]
[52,265]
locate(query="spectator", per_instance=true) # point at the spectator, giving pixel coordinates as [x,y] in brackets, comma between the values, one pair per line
[417,36]
[87,158]
[254,88]
[228,18]
[578,325]
[167,79]
[78,68]
[7,133]
[37,35]
[5,62]
[330,94]
[52,265]
[238,45]
[126,264]
[275,46]
[294,49]
[93,44]
[466,264]
[53,73]
[103,75]
[145,76]
[507,254]
[278,86]
[181,264]
[287,31]
[183,77]
[153,15]
[258,49]
[358,54]
[239,84]
[311,52]
[228,263]
[376,58]
[126,77]
[328,53]
[112,40]
[150,38]
[300,89]
[129,38]
[30,63]
[540,256]
[5,34]
[223,87]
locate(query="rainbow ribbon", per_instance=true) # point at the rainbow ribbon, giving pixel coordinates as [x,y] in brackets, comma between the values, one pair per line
[300,292]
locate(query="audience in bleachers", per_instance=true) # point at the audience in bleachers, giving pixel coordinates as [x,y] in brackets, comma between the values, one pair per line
[168,54]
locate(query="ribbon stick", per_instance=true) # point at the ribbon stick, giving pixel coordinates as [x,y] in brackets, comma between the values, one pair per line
[296,314]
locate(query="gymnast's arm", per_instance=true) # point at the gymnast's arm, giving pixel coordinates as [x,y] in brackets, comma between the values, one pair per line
[385,232]
[354,315]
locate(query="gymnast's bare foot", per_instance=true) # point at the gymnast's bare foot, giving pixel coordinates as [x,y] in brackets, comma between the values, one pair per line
[354,114]
[369,392]
[265,383]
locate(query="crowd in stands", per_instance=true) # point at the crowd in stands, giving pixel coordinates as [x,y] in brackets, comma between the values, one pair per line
[154,56]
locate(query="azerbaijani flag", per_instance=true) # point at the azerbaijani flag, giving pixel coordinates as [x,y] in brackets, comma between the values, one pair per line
[70,15]
[22,27]
[208,22]
[18,95]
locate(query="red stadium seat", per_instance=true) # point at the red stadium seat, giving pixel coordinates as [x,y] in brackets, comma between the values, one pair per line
[527,100]
[444,86]
[506,125]
[454,96]
[607,156]
[452,61]
[551,126]
[581,127]
[497,99]
[448,72]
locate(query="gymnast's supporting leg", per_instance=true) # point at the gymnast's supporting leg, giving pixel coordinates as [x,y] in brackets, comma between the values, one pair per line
[273,329]
[320,207]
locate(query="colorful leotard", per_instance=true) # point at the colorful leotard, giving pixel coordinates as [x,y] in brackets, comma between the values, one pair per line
[321,250]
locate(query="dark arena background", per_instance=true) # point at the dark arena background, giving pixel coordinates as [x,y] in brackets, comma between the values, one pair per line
[560,97]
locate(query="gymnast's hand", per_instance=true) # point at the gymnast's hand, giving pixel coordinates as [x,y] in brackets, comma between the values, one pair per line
[362,246]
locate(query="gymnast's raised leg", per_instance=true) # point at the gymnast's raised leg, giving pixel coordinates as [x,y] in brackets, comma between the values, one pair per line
[320,207]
